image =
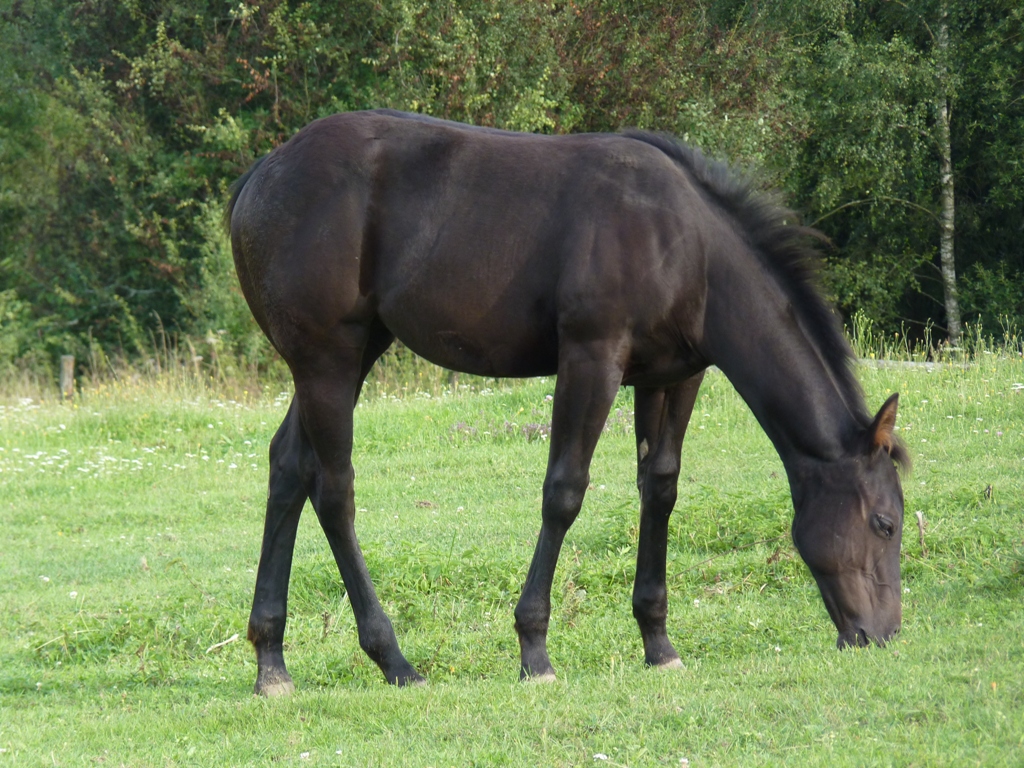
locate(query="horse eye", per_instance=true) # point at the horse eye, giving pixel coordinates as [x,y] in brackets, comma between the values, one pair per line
[884,526]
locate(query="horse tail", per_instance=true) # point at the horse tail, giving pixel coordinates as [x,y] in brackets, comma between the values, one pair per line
[236,190]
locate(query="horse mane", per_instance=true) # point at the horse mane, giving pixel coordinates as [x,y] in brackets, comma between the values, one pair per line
[785,247]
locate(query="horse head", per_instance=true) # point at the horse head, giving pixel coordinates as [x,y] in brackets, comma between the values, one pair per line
[848,527]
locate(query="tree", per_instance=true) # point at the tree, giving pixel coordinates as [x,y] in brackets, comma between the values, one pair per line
[947,216]
[891,91]
[896,125]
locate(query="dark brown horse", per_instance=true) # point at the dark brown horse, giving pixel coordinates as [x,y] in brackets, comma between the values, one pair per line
[608,259]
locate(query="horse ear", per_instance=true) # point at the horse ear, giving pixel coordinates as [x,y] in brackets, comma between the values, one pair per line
[880,433]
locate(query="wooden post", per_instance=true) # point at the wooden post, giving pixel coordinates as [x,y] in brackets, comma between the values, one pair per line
[67,377]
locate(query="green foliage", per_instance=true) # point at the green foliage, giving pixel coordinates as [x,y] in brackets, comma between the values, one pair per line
[989,119]
[996,295]
[868,172]
[122,124]
[16,337]
[487,62]
[673,67]
[215,302]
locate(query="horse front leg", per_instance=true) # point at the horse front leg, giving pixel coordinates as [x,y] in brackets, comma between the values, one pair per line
[290,471]
[588,378]
[661,420]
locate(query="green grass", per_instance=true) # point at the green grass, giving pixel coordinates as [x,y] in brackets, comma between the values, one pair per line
[131,530]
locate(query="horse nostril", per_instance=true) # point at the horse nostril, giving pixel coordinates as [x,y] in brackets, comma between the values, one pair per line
[862,638]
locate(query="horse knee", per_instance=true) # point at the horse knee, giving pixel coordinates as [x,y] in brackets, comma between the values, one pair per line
[265,628]
[376,636]
[532,614]
[563,497]
[650,603]
[660,488]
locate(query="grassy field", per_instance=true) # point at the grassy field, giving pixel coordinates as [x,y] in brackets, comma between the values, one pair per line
[131,528]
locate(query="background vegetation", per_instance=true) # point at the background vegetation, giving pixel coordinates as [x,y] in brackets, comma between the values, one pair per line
[123,121]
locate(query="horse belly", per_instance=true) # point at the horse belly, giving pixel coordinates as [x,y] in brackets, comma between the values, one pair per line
[496,343]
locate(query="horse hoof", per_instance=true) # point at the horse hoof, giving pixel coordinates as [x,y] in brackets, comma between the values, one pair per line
[544,677]
[272,684]
[411,681]
[675,663]
[274,690]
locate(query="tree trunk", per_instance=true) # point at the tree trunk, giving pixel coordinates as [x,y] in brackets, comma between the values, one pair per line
[947,227]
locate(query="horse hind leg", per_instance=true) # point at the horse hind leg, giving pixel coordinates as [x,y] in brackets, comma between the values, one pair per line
[291,465]
[292,473]
[326,391]
[661,421]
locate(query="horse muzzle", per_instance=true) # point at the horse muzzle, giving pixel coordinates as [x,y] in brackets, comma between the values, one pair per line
[859,637]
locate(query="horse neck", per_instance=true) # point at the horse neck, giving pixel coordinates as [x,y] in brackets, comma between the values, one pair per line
[753,334]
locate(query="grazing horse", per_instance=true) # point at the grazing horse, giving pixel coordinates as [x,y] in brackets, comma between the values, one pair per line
[607,259]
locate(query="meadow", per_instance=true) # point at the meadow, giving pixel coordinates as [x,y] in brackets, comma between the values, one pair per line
[131,525]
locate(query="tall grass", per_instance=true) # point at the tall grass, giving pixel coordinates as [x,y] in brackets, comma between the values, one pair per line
[976,343]
[187,365]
